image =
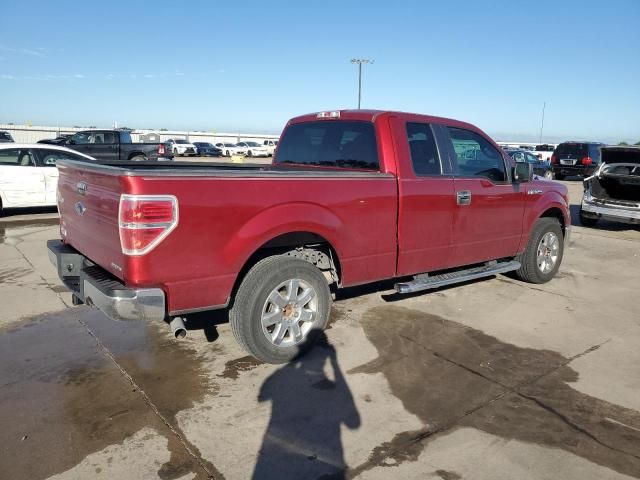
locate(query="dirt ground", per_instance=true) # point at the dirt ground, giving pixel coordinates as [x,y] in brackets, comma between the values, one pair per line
[493,379]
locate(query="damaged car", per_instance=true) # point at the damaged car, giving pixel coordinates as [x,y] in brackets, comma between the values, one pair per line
[613,191]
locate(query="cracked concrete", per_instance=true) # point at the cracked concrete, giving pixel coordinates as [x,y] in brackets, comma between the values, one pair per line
[494,379]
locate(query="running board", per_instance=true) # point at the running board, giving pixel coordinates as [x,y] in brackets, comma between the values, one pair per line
[425,282]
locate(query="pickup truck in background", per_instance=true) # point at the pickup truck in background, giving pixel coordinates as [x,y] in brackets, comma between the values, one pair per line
[110,145]
[351,197]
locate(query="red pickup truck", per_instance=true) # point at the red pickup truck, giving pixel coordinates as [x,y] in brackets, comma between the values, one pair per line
[351,197]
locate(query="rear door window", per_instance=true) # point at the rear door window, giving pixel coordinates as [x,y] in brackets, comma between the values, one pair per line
[476,156]
[330,143]
[422,145]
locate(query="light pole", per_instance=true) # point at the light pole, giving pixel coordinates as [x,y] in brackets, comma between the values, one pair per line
[360,61]
[544,105]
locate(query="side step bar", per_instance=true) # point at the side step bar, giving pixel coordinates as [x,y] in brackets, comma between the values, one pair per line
[425,282]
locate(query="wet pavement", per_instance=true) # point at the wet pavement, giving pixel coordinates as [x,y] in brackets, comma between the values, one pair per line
[493,379]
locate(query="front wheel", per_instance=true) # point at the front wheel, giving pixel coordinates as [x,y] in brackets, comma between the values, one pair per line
[250,153]
[548,175]
[175,152]
[543,255]
[227,154]
[281,307]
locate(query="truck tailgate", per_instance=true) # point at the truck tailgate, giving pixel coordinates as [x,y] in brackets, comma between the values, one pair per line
[88,202]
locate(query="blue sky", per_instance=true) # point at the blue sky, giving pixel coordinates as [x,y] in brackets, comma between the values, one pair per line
[249,66]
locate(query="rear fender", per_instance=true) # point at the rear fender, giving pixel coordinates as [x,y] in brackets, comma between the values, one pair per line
[279,220]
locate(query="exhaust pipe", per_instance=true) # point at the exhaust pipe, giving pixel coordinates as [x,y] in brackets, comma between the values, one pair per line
[177,328]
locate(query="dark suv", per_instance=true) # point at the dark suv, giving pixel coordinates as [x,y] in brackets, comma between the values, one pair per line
[575,158]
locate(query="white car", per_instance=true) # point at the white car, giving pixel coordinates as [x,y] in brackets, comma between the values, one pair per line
[270,146]
[254,149]
[28,173]
[229,149]
[181,147]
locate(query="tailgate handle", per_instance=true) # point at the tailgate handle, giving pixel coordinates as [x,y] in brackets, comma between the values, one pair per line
[463,197]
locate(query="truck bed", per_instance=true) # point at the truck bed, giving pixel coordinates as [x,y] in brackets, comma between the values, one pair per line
[222,221]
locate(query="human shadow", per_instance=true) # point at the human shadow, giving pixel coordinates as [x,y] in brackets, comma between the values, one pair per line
[310,402]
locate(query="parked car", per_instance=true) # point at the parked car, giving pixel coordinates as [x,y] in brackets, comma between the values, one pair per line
[59,140]
[540,167]
[229,149]
[254,149]
[544,151]
[613,191]
[181,147]
[116,145]
[206,149]
[271,146]
[28,174]
[5,137]
[351,197]
[575,158]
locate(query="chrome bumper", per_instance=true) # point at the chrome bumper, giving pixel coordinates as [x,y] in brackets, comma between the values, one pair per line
[616,213]
[92,285]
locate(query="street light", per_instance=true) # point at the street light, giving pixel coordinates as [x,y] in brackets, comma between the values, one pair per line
[360,61]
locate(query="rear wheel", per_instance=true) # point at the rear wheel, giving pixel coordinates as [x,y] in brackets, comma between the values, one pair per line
[587,221]
[281,307]
[543,255]
[548,175]
[138,158]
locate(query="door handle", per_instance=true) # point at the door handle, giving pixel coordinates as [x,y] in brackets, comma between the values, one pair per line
[463,197]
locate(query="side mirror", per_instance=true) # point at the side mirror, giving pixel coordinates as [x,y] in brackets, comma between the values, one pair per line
[522,172]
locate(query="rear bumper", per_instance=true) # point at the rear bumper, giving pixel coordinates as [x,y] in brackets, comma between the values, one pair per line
[94,286]
[573,169]
[610,212]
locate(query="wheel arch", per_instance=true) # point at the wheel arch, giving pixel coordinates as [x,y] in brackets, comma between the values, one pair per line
[136,154]
[304,244]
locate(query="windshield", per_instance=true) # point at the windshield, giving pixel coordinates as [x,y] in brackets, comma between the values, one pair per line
[230,145]
[252,144]
[181,142]
[330,143]
[202,144]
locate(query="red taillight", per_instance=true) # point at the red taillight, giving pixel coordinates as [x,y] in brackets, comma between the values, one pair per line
[145,220]
[161,149]
[587,161]
[554,159]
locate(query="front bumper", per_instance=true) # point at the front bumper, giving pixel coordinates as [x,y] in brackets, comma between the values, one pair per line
[94,286]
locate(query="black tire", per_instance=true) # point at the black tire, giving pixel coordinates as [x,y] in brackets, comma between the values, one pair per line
[250,153]
[228,154]
[245,316]
[529,270]
[175,153]
[138,158]
[558,176]
[587,221]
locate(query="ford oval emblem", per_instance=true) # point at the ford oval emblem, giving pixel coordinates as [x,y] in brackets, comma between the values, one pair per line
[80,208]
[81,187]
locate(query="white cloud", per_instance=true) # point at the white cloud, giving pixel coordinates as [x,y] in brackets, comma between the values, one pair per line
[39,52]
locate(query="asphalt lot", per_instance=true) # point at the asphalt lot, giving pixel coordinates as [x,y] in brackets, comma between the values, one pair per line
[493,379]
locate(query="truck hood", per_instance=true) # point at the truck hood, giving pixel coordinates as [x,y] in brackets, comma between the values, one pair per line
[620,155]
